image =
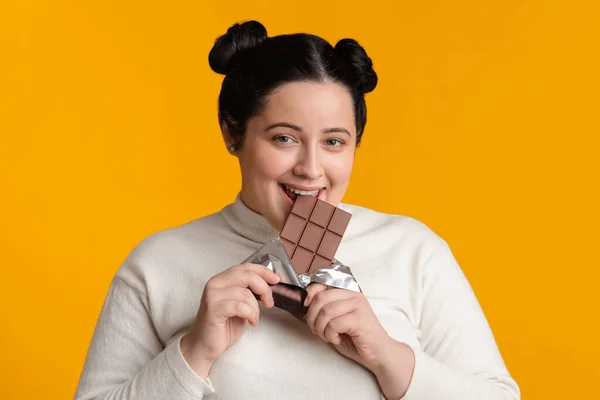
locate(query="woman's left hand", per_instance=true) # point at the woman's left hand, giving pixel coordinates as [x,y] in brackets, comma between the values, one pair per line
[346,319]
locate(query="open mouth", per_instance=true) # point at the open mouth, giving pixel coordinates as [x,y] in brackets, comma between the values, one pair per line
[293,193]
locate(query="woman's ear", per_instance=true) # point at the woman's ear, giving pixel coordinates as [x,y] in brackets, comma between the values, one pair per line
[229,140]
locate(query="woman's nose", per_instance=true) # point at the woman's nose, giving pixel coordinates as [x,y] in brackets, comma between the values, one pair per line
[308,165]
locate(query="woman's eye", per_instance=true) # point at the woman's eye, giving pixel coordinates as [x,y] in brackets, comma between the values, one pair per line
[283,139]
[334,142]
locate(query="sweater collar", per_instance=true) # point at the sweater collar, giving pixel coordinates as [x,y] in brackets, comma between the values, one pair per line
[248,223]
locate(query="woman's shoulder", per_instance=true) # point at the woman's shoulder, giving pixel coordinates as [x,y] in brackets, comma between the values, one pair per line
[180,235]
[167,248]
[389,227]
[401,243]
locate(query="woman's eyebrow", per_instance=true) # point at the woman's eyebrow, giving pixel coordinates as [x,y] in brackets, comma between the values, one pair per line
[297,128]
[337,129]
[284,125]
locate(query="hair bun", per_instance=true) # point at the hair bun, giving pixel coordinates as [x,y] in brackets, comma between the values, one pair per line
[357,57]
[239,38]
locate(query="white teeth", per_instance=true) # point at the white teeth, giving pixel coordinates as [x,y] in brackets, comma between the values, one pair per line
[302,192]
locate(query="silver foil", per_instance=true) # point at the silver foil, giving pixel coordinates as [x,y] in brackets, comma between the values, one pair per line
[338,276]
[274,256]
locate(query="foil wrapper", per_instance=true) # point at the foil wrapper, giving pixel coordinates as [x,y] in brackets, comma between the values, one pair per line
[338,276]
[291,292]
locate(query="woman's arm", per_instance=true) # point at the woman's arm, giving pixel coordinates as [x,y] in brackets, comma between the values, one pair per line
[458,358]
[126,359]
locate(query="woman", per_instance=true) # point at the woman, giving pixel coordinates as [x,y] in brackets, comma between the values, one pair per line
[181,319]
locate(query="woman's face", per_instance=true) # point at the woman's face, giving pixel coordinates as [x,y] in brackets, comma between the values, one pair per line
[304,140]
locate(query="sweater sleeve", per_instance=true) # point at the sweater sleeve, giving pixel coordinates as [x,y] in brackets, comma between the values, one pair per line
[459,358]
[126,358]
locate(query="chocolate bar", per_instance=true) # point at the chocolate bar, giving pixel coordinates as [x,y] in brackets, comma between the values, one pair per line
[312,233]
[307,243]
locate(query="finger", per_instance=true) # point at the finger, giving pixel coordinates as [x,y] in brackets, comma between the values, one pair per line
[280,275]
[265,273]
[268,275]
[238,294]
[331,311]
[248,278]
[233,308]
[312,290]
[346,324]
[323,298]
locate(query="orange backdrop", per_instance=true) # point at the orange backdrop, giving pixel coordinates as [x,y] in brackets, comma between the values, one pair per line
[484,126]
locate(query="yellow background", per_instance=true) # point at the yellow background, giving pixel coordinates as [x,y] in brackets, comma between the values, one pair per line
[484,126]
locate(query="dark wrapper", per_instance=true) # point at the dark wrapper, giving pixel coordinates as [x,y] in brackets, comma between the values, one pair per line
[290,293]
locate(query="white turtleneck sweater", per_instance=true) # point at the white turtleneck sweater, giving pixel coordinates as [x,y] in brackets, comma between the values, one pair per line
[408,274]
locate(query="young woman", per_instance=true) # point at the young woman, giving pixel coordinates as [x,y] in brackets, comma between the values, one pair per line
[181,320]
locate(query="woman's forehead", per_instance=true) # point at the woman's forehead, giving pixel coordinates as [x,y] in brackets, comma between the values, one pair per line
[310,105]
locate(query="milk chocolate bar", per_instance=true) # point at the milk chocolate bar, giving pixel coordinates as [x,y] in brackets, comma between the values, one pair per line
[312,233]
[307,243]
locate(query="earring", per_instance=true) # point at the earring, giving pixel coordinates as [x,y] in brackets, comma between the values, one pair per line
[231,149]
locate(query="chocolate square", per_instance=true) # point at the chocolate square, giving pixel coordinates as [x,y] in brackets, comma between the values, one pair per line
[289,247]
[319,263]
[322,213]
[339,221]
[302,259]
[303,206]
[311,237]
[329,245]
[294,226]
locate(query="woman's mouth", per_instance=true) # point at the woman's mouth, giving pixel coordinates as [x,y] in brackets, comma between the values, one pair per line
[293,193]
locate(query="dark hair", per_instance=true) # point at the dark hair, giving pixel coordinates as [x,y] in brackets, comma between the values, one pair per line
[255,64]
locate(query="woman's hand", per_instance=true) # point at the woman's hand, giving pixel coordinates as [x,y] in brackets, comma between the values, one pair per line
[227,305]
[346,319]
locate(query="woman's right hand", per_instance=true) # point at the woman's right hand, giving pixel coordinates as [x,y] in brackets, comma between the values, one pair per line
[227,305]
